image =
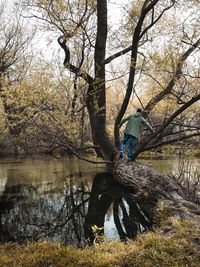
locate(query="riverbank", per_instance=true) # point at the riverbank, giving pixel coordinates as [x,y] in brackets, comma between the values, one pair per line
[174,150]
[176,244]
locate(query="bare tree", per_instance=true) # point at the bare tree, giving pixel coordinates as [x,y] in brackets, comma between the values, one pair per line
[151,12]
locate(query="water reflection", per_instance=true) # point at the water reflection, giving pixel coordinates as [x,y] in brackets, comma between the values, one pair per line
[129,217]
[60,199]
[45,198]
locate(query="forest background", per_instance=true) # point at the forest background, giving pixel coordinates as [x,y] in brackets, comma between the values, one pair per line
[45,103]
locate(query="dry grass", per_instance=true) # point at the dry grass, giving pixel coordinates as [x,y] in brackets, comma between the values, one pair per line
[178,247]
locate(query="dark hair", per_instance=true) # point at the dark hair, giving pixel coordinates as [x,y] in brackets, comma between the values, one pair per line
[139,110]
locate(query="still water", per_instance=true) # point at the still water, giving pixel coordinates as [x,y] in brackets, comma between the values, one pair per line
[49,198]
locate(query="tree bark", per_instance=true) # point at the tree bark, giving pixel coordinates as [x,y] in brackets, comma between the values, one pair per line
[150,186]
[96,94]
[96,97]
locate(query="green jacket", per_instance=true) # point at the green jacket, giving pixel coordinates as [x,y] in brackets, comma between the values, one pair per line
[134,124]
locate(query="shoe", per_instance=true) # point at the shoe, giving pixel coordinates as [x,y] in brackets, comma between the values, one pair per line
[121,155]
[131,160]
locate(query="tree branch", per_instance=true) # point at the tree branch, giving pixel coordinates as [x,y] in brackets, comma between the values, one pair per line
[71,67]
[166,124]
[171,141]
[134,53]
[173,81]
[129,48]
[155,21]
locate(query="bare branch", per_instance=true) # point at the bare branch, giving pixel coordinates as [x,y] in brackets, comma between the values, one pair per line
[134,54]
[71,67]
[129,48]
[155,21]
[167,123]
[177,75]
[171,141]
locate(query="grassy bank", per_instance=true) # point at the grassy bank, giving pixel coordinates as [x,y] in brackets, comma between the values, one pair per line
[178,247]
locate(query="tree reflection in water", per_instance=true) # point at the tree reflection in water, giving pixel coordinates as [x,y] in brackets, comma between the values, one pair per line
[66,211]
[129,217]
[55,211]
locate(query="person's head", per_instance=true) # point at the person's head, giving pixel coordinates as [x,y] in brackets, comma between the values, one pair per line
[139,110]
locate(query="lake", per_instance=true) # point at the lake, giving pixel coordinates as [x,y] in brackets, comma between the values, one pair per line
[46,198]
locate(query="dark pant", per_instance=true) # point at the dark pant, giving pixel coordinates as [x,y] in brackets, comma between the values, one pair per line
[132,142]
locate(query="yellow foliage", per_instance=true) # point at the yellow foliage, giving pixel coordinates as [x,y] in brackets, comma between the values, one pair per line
[40,105]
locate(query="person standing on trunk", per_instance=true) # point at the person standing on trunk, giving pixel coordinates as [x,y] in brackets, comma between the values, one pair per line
[132,131]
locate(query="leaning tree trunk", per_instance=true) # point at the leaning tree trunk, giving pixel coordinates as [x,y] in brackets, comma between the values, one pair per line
[142,197]
[150,186]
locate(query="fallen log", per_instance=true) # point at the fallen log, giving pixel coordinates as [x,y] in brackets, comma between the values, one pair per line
[149,184]
[141,197]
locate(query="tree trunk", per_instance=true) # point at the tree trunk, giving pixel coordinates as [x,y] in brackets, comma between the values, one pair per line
[142,198]
[96,96]
[150,185]
[99,133]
